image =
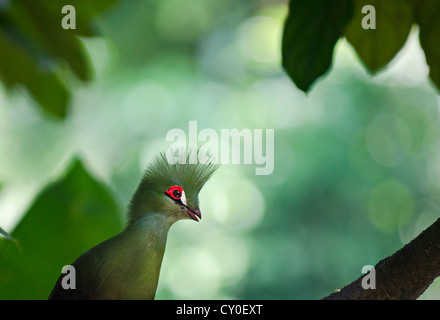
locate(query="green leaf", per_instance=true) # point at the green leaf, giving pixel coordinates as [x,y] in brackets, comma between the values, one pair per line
[377,47]
[5,234]
[67,219]
[39,24]
[427,14]
[17,67]
[310,33]
[32,29]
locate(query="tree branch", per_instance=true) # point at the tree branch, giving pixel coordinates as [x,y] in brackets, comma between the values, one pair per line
[404,275]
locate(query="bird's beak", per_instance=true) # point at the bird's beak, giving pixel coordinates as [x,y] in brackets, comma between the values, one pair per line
[193,214]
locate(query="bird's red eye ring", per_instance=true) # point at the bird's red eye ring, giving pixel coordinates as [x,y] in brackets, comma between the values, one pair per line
[175,192]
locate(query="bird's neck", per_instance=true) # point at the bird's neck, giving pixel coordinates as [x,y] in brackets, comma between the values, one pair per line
[149,231]
[146,237]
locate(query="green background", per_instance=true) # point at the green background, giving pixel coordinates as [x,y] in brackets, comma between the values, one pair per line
[356,158]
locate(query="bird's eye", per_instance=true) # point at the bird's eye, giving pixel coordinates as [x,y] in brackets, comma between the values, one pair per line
[177,193]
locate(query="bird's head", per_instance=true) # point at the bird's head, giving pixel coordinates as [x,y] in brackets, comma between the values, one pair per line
[171,189]
[177,194]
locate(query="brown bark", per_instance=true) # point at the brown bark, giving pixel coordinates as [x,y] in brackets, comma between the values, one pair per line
[405,275]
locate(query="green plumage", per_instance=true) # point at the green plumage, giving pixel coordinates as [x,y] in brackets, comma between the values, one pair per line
[127,265]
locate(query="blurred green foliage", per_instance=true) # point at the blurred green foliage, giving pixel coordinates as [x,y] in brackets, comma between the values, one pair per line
[67,217]
[34,47]
[356,160]
[313,28]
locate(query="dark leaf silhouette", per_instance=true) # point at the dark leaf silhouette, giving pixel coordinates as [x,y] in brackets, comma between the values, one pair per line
[310,34]
[313,28]
[377,47]
[33,44]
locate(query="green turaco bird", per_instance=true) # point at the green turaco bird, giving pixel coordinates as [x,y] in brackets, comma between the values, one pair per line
[127,265]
